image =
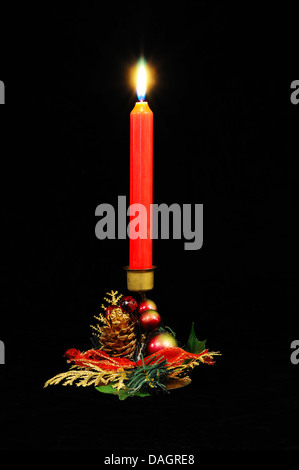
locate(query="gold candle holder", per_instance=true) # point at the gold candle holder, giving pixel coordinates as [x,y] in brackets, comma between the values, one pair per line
[140,280]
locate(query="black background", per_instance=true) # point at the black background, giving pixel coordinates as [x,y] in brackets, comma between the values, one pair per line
[225,134]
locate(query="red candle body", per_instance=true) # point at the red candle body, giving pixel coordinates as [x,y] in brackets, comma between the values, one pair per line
[141,181]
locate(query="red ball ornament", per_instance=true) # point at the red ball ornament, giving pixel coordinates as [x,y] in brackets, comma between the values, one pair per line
[146,304]
[128,304]
[150,320]
[110,310]
[161,341]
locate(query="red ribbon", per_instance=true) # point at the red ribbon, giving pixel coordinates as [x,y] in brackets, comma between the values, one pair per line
[174,356]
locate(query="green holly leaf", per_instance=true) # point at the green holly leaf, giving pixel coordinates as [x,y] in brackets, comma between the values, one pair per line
[194,345]
[107,389]
[122,394]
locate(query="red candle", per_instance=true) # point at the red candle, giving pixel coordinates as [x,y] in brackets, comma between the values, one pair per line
[141,178]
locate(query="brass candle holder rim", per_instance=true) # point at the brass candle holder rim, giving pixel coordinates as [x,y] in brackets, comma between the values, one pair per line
[140,270]
[140,280]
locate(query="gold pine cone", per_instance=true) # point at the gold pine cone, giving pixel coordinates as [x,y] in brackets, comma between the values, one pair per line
[118,336]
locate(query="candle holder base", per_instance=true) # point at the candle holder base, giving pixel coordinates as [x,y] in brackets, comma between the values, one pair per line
[122,361]
[140,280]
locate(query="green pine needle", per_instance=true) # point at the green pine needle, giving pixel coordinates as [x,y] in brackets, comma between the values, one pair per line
[148,377]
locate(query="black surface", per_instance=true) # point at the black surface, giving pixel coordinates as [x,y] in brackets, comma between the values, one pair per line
[226,136]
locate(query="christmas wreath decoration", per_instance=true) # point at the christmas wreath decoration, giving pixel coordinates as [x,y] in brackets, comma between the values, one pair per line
[133,353]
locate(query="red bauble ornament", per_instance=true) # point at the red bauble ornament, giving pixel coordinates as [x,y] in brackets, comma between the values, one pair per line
[110,310]
[160,341]
[150,320]
[128,304]
[146,304]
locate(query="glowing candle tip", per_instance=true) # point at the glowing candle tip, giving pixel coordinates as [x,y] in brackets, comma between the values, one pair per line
[141,83]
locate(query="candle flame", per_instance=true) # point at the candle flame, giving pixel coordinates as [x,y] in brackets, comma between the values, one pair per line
[141,83]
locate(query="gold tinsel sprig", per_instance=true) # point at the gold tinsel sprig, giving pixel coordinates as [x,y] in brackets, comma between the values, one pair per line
[89,375]
[114,298]
[101,319]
